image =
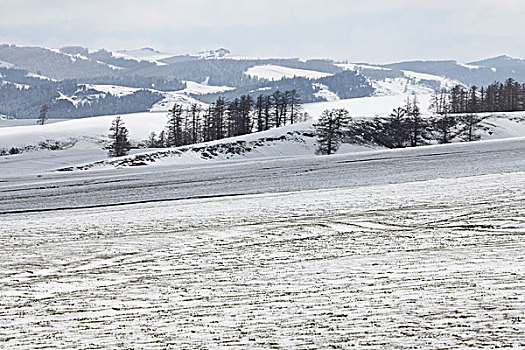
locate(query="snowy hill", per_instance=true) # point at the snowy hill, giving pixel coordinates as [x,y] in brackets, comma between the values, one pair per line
[480,73]
[80,143]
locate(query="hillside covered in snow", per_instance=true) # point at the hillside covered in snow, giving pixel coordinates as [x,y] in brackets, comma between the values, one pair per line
[77,82]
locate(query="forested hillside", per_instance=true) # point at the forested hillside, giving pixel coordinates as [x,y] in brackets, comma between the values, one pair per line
[77,82]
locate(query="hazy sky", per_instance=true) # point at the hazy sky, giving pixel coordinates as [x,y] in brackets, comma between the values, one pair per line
[360,31]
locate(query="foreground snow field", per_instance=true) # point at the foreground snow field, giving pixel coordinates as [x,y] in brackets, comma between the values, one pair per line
[374,249]
[179,181]
[431,264]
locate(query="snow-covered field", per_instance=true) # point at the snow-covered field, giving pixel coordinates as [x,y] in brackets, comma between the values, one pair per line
[418,248]
[272,248]
[273,72]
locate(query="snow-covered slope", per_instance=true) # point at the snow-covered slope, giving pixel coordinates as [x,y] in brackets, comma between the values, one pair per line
[198,89]
[184,96]
[6,65]
[409,83]
[411,248]
[274,72]
[87,139]
[367,106]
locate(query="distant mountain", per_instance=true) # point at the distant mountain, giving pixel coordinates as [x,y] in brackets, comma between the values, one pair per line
[501,62]
[505,67]
[53,63]
[468,75]
[480,73]
[62,78]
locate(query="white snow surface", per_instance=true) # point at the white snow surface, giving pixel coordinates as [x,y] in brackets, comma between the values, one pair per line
[325,93]
[445,82]
[196,88]
[400,87]
[469,66]
[72,57]
[6,65]
[273,72]
[183,96]
[410,84]
[97,128]
[6,123]
[419,248]
[172,97]
[367,106]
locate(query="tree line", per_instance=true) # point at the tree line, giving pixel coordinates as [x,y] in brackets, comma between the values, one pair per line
[404,127]
[228,118]
[496,97]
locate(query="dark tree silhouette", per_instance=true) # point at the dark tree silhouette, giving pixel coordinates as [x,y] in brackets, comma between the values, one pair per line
[43,115]
[118,133]
[331,129]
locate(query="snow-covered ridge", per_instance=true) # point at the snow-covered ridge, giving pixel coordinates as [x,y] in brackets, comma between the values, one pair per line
[72,57]
[409,83]
[147,54]
[115,90]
